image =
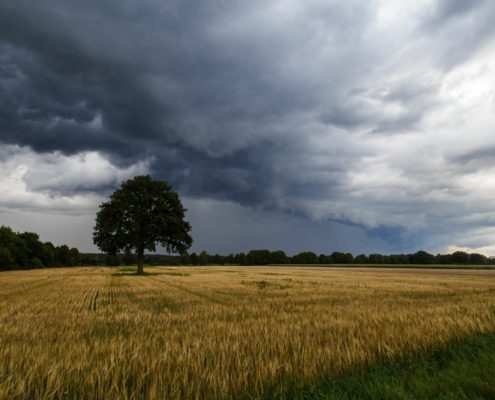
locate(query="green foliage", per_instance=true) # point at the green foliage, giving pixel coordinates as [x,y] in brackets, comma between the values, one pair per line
[376,259]
[240,259]
[64,255]
[306,257]
[7,261]
[74,256]
[185,258]
[48,254]
[342,258]
[422,257]
[25,250]
[278,257]
[32,243]
[112,260]
[477,259]
[194,259]
[203,258]
[361,259]
[142,213]
[460,257]
[128,259]
[35,262]
[258,257]
[325,259]
[461,370]
[16,246]
[217,259]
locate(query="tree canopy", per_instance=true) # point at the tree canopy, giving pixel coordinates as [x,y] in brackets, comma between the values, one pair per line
[25,250]
[142,213]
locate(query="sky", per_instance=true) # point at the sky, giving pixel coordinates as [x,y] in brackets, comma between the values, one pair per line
[324,125]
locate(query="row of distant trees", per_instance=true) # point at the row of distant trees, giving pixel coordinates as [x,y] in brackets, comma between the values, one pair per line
[25,250]
[267,257]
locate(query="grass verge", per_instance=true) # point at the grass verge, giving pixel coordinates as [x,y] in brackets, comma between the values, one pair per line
[464,370]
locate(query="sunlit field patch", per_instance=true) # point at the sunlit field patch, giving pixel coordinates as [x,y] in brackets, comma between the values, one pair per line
[223,332]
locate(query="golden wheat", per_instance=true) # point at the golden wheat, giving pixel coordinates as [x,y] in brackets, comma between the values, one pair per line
[219,332]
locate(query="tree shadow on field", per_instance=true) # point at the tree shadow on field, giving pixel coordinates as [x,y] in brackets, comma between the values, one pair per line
[135,274]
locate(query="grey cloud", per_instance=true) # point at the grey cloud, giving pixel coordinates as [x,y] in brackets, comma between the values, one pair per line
[460,28]
[273,230]
[274,106]
[157,79]
[448,9]
[475,160]
[45,182]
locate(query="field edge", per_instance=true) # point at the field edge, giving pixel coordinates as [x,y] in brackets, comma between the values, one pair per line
[464,369]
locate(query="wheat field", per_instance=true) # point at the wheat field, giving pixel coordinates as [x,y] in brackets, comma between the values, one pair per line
[221,332]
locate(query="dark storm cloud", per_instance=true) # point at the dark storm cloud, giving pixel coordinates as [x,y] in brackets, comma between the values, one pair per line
[45,110]
[157,80]
[321,109]
[69,67]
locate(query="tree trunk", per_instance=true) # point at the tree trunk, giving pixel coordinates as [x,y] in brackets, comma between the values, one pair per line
[140,262]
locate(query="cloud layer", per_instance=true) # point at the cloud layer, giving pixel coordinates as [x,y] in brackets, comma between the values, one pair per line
[53,182]
[376,114]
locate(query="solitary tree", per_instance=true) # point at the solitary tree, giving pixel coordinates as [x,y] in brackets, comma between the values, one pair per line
[142,213]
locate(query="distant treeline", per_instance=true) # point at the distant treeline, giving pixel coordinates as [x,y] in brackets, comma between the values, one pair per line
[25,251]
[267,257]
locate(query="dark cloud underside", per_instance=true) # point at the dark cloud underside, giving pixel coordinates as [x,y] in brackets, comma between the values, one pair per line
[310,109]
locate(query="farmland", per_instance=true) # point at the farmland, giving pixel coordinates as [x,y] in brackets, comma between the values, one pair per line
[225,332]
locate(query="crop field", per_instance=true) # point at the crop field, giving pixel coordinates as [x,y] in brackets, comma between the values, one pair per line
[224,332]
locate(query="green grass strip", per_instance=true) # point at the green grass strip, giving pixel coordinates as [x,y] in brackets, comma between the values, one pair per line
[463,370]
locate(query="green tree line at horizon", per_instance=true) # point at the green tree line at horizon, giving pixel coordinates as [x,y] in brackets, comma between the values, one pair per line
[26,251]
[267,257]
